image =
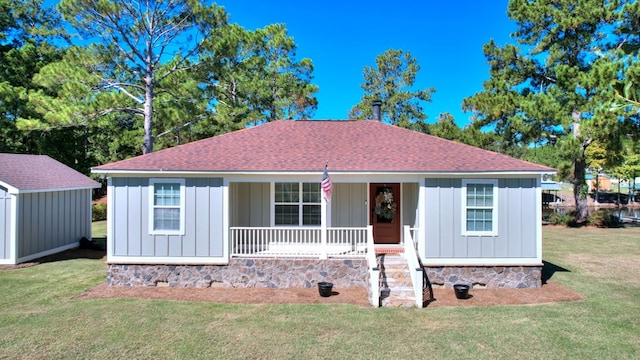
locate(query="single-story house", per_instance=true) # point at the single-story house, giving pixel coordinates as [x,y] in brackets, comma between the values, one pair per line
[247,209]
[45,207]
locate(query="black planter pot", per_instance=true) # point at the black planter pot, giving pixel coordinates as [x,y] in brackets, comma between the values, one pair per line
[461,290]
[325,288]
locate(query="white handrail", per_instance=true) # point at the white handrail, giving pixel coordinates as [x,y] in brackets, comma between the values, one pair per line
[414,266]
[374,270]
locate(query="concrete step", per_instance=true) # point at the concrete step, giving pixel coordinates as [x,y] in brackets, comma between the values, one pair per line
[388,299]
[395,281]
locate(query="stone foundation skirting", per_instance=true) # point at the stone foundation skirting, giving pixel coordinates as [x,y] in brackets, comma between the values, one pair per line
[244,273]
[516,277]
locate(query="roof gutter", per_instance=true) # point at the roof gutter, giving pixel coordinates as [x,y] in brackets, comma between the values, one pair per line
[440,174]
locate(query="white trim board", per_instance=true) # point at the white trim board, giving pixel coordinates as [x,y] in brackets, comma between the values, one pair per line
[167,260]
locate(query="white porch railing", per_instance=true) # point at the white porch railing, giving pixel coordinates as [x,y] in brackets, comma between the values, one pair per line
[414,266]
[298,242]
[374,270]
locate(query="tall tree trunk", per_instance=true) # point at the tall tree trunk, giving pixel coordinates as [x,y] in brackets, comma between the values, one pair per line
[580,189]
[147,145]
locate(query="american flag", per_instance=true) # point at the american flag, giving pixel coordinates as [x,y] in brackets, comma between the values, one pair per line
[326,184]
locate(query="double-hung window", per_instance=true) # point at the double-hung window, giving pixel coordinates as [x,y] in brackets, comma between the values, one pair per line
[166,206]
[480,207]
[297,204]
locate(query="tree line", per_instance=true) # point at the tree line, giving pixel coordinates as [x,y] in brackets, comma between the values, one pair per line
[94,81]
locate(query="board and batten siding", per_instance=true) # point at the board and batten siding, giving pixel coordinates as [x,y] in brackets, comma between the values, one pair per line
[349,205]
[52,220]
[517,221]
[250,204]
[410,209]
[204,231]
[5,224]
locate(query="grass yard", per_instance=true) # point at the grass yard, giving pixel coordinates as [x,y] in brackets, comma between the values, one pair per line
[99,229]
[39,319]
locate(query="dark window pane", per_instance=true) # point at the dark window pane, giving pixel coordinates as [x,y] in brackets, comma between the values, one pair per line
[311,192]
[286,215]
[287,192]
[311,215]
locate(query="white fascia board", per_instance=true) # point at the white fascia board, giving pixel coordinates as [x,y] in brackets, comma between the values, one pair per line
[539,218]
[10,188]
[57,189]
[13,233]
[110,218]
[537,261]
[166,260]
[337,174]
[492,174]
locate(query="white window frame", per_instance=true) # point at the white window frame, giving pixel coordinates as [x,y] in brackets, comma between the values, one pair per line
[182,206]
[301,204]
[494,208]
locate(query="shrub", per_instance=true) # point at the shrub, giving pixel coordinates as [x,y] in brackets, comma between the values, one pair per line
[99,212]
[561,219]
[604,219]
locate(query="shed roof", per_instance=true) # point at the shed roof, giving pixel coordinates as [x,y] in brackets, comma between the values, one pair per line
[550,185]
[33,173]
[306,145]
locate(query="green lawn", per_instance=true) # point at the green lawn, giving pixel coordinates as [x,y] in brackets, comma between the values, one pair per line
[99,229]
[39,319]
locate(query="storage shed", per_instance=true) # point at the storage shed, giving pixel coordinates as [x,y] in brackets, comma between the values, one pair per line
[45,207]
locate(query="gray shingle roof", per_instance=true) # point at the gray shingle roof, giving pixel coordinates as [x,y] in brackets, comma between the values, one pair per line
[40,172]
[348,146]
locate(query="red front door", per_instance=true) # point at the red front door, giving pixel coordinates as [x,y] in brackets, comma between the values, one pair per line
[384,207]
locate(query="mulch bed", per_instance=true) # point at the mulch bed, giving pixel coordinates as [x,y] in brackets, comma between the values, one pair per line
[550,292]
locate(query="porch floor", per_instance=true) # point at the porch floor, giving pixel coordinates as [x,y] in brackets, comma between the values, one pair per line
[287,250]
[275,249]
[389,249]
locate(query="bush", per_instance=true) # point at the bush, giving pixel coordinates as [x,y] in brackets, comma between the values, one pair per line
[604,219]
[561,219]
[99,212]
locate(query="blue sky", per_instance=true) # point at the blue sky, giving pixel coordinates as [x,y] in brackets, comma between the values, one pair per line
[341,37]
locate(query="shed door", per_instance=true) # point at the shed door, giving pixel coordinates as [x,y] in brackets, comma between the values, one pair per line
[384,203]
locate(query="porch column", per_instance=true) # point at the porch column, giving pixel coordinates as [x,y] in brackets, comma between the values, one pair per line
[422,233]
[323,228]
[226,219]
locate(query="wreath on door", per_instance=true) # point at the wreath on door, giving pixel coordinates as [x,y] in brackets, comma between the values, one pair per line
[385,206]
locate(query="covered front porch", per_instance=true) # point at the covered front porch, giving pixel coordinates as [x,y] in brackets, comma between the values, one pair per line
[283,218]
[291,220]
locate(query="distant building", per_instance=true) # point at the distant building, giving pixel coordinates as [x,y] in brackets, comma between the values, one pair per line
[601,183]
